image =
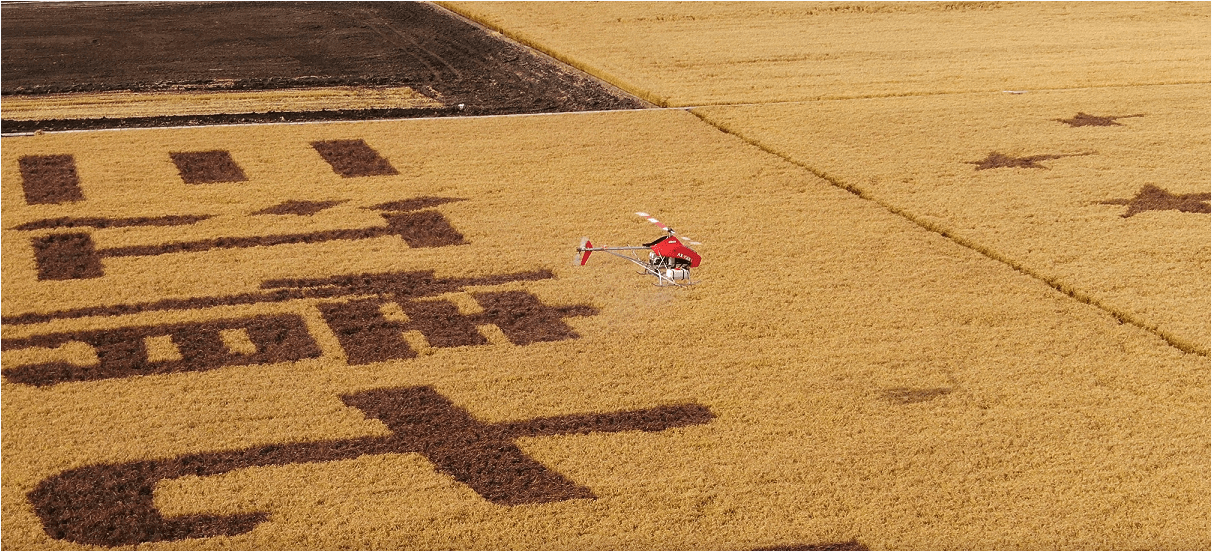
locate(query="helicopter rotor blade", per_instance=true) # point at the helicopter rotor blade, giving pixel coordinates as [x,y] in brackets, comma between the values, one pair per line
[653,220]
[666,228]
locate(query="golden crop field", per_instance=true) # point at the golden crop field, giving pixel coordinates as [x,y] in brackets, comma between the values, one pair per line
[840,377]
[711,53]
[955,287]
[1098,191]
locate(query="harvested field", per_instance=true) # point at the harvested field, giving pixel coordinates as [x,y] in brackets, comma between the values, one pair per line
[1102,192]
[692,54]
[276,365]
[114,65]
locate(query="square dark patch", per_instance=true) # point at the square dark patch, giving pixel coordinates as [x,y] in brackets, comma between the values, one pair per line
[67,257]
[203,167]
[351,158]
[49,179]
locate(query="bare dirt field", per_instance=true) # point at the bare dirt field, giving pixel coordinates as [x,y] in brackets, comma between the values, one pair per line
[299,47]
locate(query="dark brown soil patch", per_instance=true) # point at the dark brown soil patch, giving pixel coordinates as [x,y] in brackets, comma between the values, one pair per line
[367,335]
[122,352]
[414,204]
[850,545]
[203,167]
[113,504]
[245,242]
[81,47]
[442,325]
[393,284]
[74,256]
[66,257]
[1152,198]
[364,332]
[101,222]
[1083,119]
[350,158]
[997,160]
[524,320]
[908,395]
[423,229]
[49,179]
[299,208]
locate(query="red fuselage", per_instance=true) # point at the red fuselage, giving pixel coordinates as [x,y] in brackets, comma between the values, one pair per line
[672,247]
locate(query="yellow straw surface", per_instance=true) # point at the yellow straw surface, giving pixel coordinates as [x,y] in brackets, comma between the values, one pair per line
[708,53]
[1069,220]
[871,382]
[158,104]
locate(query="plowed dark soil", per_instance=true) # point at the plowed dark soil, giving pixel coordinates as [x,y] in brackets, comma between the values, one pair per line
[59,48]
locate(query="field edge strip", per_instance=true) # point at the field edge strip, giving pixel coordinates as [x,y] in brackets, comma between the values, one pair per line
[132,104]
[18,126]
[1074,293]
[930,93]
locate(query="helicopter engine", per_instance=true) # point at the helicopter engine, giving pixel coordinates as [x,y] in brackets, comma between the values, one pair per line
[677,273]
[661,261]
[673,268]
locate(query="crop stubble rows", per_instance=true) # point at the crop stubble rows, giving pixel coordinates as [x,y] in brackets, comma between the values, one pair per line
[679,55]
[1113,215]
[869,332]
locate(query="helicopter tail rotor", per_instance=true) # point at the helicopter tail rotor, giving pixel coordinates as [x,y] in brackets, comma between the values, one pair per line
[585,248]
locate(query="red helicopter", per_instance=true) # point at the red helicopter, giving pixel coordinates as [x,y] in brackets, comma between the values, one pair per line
[669,258]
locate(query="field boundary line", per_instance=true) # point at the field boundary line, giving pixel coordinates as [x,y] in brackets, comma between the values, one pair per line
[892,95]
[1054,283]
[347,121]
[610,85]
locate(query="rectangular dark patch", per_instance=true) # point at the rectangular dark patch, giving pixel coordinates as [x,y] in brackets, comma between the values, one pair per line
[121,352]
[203,167]
[67,257]
[49,179]
[441,324]
[524,319]
[423,229]
[350,158]
[364,333]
